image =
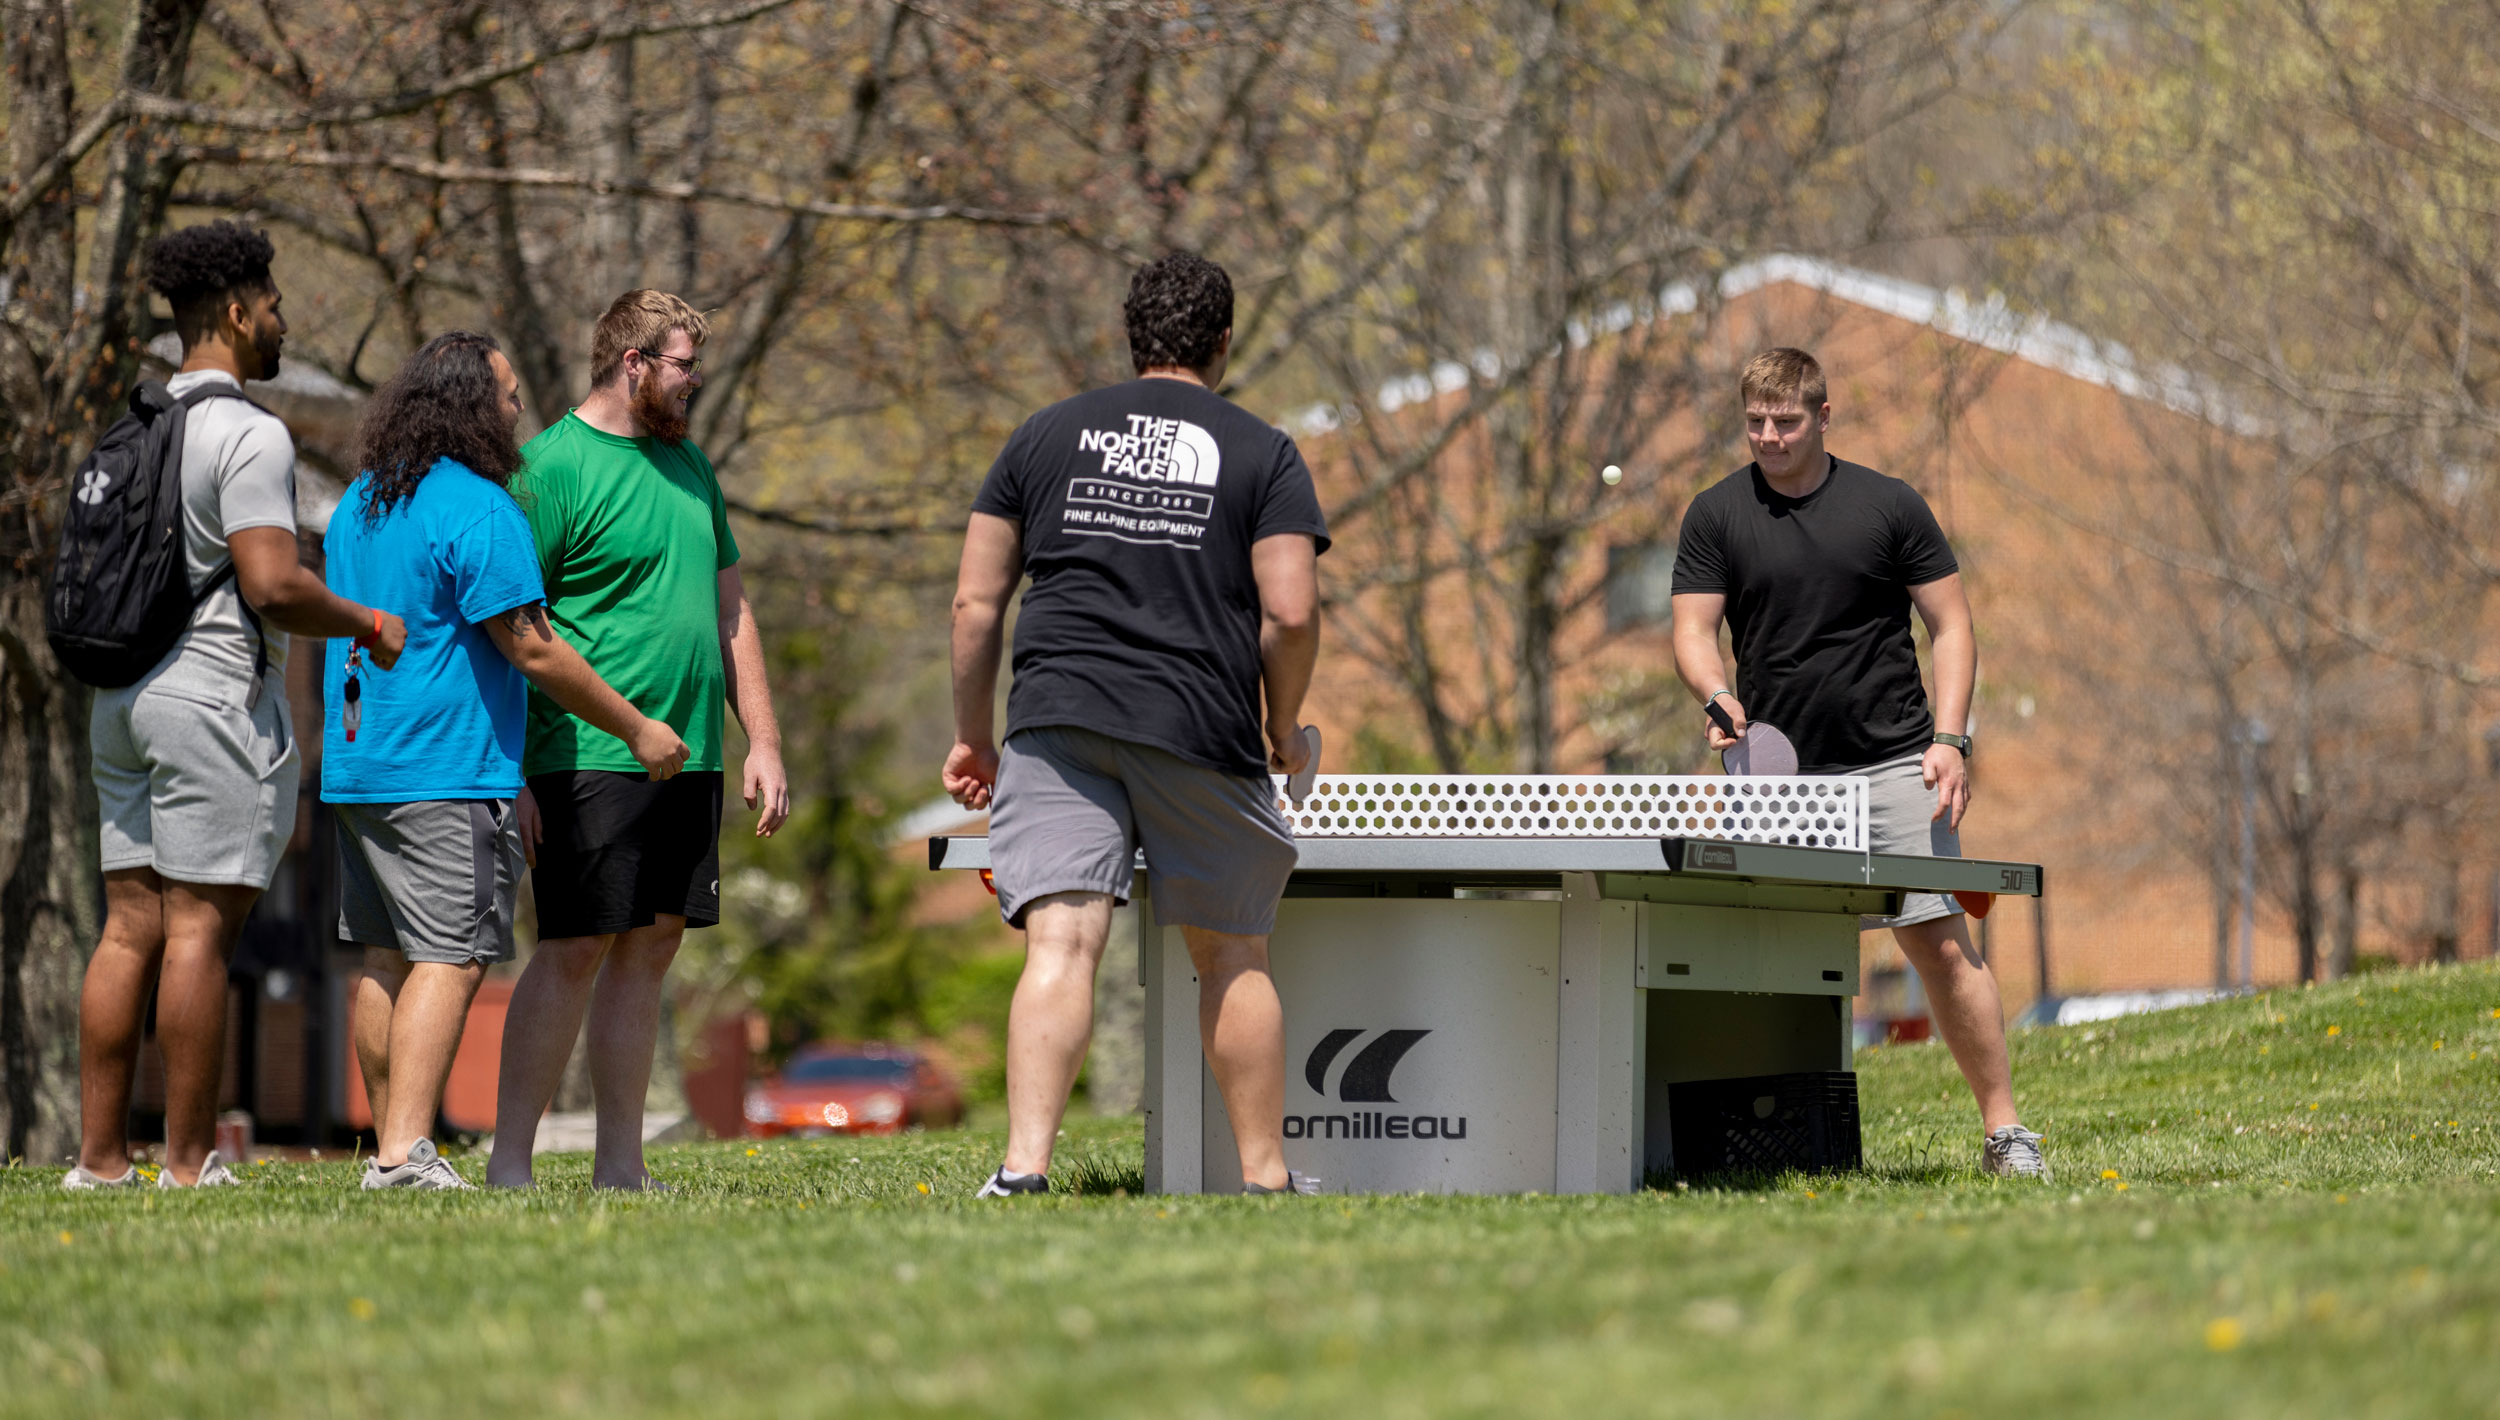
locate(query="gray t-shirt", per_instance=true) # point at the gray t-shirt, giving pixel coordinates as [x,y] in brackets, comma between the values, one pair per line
[238,472]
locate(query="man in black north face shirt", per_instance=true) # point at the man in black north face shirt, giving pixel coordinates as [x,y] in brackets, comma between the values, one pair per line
[1162,652]
[1816,564]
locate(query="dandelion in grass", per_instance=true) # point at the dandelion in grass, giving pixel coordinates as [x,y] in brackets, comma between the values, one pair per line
[2334,1030]
[924,1188]
[2107,1174]
[2222,1334]
[68,1237]
[361,1308]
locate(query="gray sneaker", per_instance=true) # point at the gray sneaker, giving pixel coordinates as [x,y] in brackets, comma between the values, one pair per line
[79,1179]
[2013,1152]
[426,1169]
[1295,1182]
[213,1174]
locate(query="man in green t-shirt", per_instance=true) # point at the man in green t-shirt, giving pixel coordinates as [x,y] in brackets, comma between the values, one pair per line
[642,577]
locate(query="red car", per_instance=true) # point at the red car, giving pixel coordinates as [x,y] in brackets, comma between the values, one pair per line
[853,1089]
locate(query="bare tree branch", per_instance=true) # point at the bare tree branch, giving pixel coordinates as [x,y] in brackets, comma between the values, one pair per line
[2226,572]
[23,196]
[603,186]
[483,76]
[127,104]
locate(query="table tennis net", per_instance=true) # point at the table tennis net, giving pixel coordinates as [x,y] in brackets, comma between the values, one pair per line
[1806,810]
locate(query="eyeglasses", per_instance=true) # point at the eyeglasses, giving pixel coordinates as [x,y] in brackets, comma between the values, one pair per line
[691,367]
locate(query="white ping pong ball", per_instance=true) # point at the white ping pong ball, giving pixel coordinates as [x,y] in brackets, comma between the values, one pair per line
[1613,474]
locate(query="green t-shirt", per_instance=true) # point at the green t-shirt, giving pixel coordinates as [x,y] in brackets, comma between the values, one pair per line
[632,536]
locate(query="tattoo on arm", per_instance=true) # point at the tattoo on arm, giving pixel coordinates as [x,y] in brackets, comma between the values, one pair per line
[526,620]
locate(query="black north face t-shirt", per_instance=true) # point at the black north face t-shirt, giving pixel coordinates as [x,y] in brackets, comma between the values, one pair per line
[1818,595]
[1139,504]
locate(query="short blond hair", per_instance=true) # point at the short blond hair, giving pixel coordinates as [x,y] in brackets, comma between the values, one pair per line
[1781,374]
[640,320]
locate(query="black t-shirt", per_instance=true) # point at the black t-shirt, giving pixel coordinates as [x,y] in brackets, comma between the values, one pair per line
[1818,595]
[1139,504]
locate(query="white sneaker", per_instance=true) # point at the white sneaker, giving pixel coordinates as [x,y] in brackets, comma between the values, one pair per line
[426,1170]
[2013,1152]
[78,1179]
[213,1174]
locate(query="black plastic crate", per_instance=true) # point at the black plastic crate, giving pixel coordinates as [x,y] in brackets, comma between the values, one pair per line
[1766,1123]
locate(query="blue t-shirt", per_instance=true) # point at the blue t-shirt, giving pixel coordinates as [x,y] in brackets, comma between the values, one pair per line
[447,721]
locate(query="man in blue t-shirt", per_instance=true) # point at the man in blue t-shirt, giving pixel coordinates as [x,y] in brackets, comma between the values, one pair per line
[422,763]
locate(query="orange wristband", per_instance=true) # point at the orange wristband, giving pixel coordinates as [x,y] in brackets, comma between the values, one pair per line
[375,634]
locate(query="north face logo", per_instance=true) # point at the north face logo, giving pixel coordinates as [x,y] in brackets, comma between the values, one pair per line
[1156,451]
[1366,1077]
[91,488]
[1156,487]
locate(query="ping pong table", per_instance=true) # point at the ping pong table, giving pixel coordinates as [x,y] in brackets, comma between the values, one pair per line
[1504,983]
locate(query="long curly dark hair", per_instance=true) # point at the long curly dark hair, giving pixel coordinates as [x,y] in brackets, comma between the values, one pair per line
[445,403]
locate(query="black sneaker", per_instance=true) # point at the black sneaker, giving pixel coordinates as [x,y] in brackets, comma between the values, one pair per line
[1001,1186]
[1295,1182]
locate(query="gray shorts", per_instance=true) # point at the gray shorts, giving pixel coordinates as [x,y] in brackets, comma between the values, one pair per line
[1073,807]
[435,878]
[1898,820]
[189,779]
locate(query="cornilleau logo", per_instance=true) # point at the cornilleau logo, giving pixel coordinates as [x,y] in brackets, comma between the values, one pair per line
[1365,1080]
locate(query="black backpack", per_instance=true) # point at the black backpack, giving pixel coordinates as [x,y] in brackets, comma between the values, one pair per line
[120,595]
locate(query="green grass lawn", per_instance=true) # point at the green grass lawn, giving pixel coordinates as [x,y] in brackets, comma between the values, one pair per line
[2283,1206]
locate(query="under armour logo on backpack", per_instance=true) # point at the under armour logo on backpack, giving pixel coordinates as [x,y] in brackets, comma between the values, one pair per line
[91,488]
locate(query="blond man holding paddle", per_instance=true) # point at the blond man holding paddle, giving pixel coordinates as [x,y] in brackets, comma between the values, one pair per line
[1816,564]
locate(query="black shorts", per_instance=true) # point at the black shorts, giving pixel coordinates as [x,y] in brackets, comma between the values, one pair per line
[621,849]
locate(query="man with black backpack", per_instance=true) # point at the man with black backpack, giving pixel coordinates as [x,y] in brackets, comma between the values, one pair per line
[193,751]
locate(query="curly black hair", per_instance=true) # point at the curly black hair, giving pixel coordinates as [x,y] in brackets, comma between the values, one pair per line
[445,403]
[200,267]
[1179,306]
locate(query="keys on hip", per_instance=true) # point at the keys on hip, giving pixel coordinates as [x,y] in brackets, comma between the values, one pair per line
[352,711]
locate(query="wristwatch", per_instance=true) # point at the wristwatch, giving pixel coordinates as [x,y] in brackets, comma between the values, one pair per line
[1960,742]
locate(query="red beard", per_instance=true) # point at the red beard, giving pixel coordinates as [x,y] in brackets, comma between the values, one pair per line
[657,411]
